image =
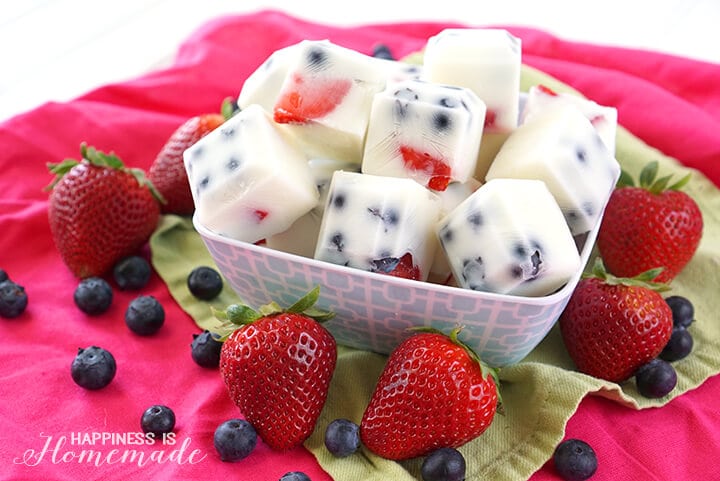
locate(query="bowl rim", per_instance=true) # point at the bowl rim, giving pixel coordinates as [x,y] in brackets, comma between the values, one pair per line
[549,299]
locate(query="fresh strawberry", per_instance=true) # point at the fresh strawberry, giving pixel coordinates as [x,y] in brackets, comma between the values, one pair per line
[650,225]
[611,326]
[434,392]
[309,99]
[100,211]
[277,368]
[167,171]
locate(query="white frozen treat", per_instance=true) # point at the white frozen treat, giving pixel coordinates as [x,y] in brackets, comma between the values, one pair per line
[440,271]
[325,99]
[424,131]
[398,71]
[379,224]
[248,182]
[560,147]
[509,237]
[603,118]
[263,85]
[487,61]
[301,237]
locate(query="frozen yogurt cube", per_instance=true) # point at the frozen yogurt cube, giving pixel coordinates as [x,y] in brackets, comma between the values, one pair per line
[603,118]
[325,99]
[424,131]
[301,237]
[264,84]
[398,71]
[509,237]
[248,182]
[379,224]
[487,61]
[559,146]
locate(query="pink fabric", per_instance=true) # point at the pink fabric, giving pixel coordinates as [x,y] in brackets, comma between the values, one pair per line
[671,103]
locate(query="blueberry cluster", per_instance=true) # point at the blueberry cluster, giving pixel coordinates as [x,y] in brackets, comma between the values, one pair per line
[658,377]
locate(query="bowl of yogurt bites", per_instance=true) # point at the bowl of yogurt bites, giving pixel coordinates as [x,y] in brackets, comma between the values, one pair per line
[414,195]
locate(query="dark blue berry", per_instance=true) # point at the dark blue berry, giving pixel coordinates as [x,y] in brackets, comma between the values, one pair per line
[145,315]
[381,50]
[3,275]
[204,283]
[679,345]
[235,439]
[444,464]
[205,349]
[656,378]
[93,368]
[132,273]
[295,476]
[93,295]
[683,312]
[13,299]
[158,420]
[342,437]
[575,460]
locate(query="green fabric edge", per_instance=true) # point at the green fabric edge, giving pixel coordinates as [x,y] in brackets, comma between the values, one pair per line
[541,392]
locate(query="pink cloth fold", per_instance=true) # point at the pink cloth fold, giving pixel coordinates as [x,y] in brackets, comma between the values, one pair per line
[671,103]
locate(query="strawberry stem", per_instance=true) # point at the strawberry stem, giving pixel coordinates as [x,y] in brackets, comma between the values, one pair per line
[644,279]
[648,180]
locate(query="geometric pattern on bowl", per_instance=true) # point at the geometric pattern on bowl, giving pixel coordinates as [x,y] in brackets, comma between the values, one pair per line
[373,311]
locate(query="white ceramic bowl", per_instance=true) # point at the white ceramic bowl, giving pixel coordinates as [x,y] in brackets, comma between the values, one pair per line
[374,311]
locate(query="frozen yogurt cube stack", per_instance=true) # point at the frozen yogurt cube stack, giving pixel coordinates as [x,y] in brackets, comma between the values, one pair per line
[420,171]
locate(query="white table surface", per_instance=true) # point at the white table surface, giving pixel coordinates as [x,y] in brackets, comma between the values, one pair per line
[58,49]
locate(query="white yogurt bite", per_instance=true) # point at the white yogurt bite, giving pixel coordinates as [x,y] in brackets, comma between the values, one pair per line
[301,237]
[325,99]
[602,117]
[379,224]
[263,85]
[247,180]
[487,61]
[424,131]
[559,146]
[509,237]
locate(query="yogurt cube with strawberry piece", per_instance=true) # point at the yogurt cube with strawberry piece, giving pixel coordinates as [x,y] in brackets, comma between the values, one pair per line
[424,131]
[263,85]
[247,180]
[379,224]
[602,117]
[325,99]
[301,237]
[509,237]
[560,146]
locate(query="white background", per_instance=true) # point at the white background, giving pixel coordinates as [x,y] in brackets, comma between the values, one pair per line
[58,49]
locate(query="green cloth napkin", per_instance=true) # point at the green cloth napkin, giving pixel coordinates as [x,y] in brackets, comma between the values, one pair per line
[540,393]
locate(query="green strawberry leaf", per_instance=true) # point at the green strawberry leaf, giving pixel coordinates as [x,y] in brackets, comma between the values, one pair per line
[648,174]
[59,170]
[680,183]
[625,180]
[305,302]
[644,279]
[240,314]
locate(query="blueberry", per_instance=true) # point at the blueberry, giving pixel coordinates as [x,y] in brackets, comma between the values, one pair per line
[656,378]
[204,283]
[235,439]
[93,368]
[93,295]
[132,273]
[381,50]
[444,464]
[13,299]
[679,345]
[295,476]
[145,315]
[158,420]
[342,437]
[682,309]
[3,275]
[205,349]
[575,460]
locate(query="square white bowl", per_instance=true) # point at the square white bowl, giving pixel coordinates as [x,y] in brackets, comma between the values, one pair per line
[374,311]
